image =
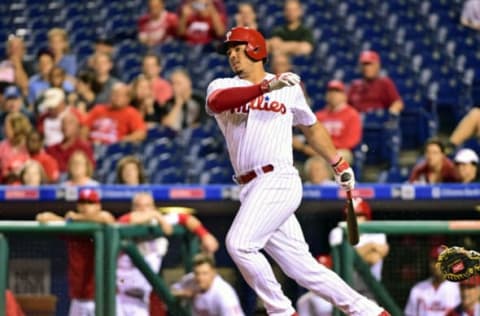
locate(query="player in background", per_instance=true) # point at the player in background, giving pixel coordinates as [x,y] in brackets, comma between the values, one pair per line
[310,304]
[371,247]
[80,251]
[209,293]
[433,296]
[134,291]
[255,111]
[470,296]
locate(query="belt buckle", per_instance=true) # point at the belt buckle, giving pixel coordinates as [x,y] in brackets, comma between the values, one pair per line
[235,179]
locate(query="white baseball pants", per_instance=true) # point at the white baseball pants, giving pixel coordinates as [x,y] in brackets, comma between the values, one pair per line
[81,308]
[266,221]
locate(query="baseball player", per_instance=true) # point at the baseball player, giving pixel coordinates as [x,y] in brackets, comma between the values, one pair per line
[434,296]
[81,251]
[470,295]
[133,289]
[255,111]
[209,293]
[371,247]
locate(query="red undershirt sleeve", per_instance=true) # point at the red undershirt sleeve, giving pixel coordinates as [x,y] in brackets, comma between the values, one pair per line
[230,98]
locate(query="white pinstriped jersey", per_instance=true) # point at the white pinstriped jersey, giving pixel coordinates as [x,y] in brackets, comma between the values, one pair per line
[219,300]
[425,300]
[255,132]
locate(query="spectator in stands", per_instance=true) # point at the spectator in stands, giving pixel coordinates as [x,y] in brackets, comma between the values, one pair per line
[436,167]
[372,91]
[13,103]
[13,149]
[144,211]
[318,172]
[151,69]
[466,163]
[39,81]
[201,21]
[37,153]
[86,89]
[471,14]
[470,296]
[372,248]
[117,121]
[58,43]
[468,127]
[53,108]
[185,108]
[33,174]
[80,250]
[130,171]
[247,17]
[293,38]
[102,65]
[144,101]
[103,45]
[341,120]
[16,68]
[72,142]
[57,79]
[80,170]
[433,296]
[310,304]
[158,25]
[208,292]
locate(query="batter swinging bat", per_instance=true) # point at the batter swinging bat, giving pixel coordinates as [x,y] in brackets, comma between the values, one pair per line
[352,224]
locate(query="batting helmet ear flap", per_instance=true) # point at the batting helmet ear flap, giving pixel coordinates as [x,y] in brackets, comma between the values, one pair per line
[256,44]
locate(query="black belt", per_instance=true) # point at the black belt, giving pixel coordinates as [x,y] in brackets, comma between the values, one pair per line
[249,176]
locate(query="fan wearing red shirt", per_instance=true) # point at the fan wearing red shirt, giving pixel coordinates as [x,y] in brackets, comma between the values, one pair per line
[117,121]
[81,267]
[436,167]
[36,151]
[72,142]
[201,21]
[372,91]
[341,120]
[158,25]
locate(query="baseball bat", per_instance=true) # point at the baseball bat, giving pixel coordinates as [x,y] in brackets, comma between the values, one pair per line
[352,225]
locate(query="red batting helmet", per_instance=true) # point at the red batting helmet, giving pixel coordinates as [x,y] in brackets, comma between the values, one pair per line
[361,207]
[256,45]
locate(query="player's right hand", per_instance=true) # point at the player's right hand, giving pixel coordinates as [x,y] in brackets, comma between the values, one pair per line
[286,79]
[344,174]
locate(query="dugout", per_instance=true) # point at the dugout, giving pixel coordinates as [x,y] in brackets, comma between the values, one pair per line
[216,205]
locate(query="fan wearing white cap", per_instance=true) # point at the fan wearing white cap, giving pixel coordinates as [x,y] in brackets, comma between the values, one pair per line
[466,163]
[52,106]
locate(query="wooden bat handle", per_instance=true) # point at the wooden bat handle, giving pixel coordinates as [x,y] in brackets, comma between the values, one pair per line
[352,224]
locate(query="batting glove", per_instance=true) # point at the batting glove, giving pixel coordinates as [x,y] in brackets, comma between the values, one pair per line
[286,79]
[344,174]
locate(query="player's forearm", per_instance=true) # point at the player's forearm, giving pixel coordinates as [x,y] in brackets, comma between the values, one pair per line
[319,139]
[230,98]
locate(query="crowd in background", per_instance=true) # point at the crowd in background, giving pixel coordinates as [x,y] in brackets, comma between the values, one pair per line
[81,105]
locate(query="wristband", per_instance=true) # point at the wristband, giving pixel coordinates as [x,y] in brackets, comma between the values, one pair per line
[200,231]
[336,160]
[265,86]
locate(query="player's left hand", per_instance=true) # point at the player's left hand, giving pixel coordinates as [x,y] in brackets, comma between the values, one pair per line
[286,79]
[209,243]
[344,175]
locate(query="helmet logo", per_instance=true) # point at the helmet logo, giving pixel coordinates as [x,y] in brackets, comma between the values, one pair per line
[227,36]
